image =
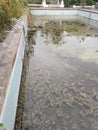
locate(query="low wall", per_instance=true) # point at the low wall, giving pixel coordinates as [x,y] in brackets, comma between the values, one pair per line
[9,108]
[53,12]
[83,13]
[88,14]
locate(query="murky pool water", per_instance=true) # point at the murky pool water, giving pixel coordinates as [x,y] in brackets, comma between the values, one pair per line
[61,83]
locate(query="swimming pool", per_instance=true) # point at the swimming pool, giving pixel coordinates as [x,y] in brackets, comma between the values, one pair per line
[59,90]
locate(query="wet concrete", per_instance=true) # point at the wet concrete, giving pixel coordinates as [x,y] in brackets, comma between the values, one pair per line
[60,89]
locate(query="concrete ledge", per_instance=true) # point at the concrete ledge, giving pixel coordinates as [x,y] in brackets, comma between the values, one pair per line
[8,112]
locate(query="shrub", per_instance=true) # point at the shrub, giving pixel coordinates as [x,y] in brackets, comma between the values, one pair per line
[10,9]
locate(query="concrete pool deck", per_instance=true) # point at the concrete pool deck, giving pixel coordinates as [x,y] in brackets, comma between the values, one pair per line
[7,57]
[11,61]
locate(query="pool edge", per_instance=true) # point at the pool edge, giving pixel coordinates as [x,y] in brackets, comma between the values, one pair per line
[9,108]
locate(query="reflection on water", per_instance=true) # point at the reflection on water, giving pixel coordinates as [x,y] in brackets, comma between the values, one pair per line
[61,87]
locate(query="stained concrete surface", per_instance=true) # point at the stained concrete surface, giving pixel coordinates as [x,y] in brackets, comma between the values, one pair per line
[8,51]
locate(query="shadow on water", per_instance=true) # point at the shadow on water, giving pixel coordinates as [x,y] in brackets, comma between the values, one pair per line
[60,90]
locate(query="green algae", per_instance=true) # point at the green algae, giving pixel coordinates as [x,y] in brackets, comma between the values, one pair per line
[56,28]
[72,30]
